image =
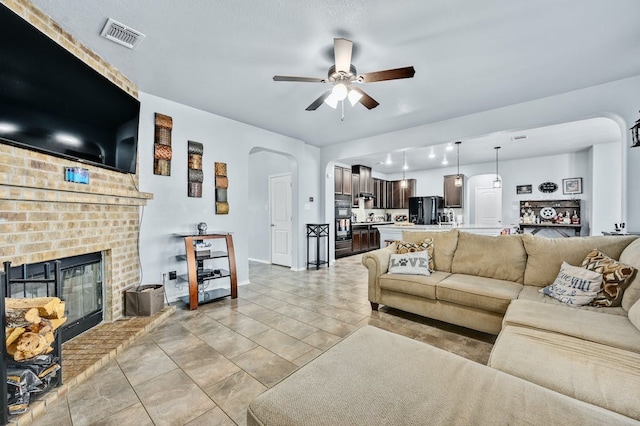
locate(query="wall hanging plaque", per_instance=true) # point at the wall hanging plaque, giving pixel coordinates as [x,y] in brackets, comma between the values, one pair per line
[222,183]
[162,145]
[548,187]
[195,173]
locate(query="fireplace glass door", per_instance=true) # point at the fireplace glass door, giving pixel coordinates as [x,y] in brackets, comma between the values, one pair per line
[81,290]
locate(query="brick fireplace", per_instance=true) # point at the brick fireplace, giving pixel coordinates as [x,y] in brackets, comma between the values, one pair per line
[44,218]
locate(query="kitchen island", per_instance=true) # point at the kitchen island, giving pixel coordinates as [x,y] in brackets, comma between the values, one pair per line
[393,232]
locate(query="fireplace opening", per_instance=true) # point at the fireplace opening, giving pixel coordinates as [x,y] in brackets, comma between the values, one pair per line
[81,289]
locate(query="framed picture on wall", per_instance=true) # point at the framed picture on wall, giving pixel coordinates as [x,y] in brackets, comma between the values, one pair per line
[572,186]
[524,189]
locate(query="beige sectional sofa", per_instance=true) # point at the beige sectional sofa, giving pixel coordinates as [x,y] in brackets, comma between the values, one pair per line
[551,363]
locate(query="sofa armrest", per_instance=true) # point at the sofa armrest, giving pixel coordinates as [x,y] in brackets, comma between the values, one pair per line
[377,262]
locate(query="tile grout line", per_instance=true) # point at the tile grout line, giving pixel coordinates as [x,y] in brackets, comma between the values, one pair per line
[38,408]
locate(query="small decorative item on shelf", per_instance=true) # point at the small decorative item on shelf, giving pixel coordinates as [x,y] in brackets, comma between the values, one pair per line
[195,176]
[202,228]
[222,184]
[162,145]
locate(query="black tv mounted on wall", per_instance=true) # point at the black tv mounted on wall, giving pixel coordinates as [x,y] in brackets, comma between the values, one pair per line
[51,101]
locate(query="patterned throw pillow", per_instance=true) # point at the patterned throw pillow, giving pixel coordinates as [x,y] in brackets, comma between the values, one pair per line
[413,263]
[574,285]
[407,247]
[614,277]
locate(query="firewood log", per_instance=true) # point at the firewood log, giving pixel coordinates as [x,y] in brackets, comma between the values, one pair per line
[12,334]
[21,317]
[46,305]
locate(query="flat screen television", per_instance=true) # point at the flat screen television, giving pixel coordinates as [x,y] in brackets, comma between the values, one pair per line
[51,101]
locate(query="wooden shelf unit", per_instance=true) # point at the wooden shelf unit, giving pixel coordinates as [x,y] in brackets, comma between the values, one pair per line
[197,275]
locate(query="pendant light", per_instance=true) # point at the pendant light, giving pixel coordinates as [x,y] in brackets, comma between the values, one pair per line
[403,182]
[497,183]
[457,182]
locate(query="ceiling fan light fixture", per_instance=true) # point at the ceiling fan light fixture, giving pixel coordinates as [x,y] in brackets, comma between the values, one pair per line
[332,101]
[340,91]
[354,97]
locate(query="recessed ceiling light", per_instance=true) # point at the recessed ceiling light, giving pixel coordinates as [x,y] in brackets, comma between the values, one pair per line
[445,161]
[388,162]
[449,147]
[432,154]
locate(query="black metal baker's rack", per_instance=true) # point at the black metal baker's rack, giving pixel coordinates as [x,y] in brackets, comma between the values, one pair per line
[48,277]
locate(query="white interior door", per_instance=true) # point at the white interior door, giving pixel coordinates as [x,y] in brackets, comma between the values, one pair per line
[488,206]
[280,201]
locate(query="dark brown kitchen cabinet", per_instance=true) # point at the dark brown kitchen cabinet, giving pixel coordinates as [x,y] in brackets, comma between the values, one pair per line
[379,194]
[374,238]
[365,184]
[360,239]
[355,189]
[398,198]
[342,180]
[453,195]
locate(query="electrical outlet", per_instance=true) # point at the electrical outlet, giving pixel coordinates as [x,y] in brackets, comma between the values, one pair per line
[172,275]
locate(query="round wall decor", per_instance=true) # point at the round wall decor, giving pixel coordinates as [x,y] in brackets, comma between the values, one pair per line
[547,212]
[548,187]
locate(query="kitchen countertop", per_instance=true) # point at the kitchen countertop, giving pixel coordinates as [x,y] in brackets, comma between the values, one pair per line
[370,223]
[443,227]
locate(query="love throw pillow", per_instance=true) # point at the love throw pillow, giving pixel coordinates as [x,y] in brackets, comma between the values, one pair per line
[426,245]
[413,263]
[574,285]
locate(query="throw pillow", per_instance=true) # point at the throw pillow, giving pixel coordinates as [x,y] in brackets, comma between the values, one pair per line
[574,285]
[634,314]
[425,245]
[413,263]
[614,277]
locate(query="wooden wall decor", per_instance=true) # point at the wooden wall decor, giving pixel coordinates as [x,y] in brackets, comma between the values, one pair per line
[162,145]
[222,184]
[195,175]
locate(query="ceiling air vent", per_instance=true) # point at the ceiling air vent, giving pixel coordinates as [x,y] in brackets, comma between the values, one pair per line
[517,138]
[121,34]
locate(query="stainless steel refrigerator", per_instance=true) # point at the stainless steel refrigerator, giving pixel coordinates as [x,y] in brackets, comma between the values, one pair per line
[425,210]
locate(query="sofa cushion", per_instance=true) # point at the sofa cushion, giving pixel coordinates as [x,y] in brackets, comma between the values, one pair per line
[614,276]
[411,263]
[545,255]
[416,285]
[597,374]
[574,285]
[500,257]
[410,247]
[601,326]
[444,245]
[531,292]
[631,256]
[634,315]
[483,293]
[377,377]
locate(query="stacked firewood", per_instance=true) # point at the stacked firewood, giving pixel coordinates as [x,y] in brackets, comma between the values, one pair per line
[29,325]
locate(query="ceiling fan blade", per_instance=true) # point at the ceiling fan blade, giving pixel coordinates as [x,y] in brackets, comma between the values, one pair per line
[394,74]
[314,106]
[299,79]
[366,100]
[342,53]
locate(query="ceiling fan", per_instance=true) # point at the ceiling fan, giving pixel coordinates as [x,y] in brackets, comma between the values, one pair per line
[343,75]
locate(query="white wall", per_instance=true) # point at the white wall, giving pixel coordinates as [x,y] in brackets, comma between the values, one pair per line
[262,164]
[605,190]
[610,100]
[171,211]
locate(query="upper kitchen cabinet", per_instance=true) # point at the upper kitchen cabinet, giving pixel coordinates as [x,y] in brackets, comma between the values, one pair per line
[342,180]
[398,196]
[379,194]
[355,189]
[365,183]
[453,195]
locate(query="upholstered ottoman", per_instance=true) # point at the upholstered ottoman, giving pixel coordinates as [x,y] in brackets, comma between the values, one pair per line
[377,377]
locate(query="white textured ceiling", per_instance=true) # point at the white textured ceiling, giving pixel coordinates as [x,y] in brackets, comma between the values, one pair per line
[470,56]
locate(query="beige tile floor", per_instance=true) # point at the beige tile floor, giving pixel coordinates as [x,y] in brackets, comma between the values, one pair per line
[203,367]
